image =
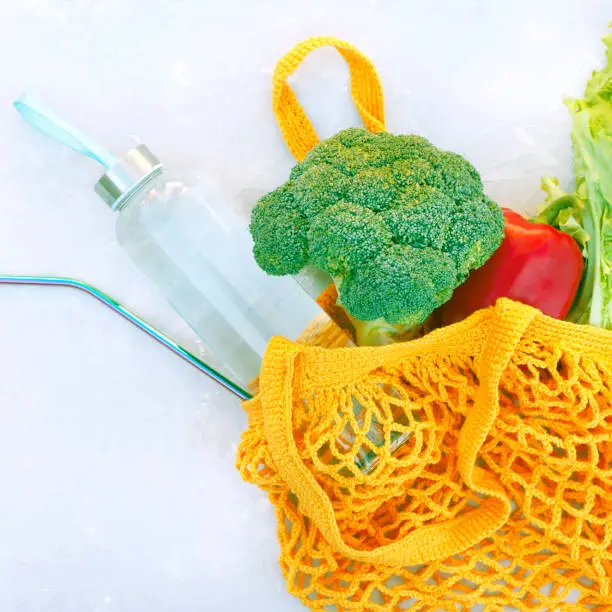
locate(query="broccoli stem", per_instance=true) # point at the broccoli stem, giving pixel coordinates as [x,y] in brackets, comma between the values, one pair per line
[380,332]
[373,333]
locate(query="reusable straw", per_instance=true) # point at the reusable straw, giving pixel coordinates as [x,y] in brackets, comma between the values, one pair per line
[132,318]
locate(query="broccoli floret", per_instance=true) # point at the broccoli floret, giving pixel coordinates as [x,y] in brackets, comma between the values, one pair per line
[419,171]
[458,178]
[423,219]
[318,187]
[376,190]
[405,147]
[345,237]
[282,231]
[351,137]
[471,241]
[424,277]
[396,222]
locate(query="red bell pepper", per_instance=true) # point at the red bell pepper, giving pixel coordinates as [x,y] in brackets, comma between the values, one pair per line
[536,264]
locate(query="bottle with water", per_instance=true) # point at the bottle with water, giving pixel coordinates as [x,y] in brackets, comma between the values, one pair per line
[184,235]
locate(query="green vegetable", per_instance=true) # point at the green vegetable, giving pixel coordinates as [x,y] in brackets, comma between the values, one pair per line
[397,223]
[586,214]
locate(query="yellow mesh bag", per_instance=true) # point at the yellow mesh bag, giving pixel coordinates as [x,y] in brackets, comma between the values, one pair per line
[500,494]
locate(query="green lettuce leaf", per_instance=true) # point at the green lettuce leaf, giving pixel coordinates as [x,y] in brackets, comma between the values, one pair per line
[586,214]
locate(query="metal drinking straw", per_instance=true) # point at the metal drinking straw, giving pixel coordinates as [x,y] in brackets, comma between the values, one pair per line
[37,114]
[132,318]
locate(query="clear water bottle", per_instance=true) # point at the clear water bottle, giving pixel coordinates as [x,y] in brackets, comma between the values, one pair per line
[186,238]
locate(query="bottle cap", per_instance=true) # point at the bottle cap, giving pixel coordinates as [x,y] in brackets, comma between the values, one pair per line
[127,175]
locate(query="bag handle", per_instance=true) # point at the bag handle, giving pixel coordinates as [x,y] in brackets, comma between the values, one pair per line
[366,91]
[280,373]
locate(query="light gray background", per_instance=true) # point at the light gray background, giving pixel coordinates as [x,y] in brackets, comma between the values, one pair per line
[117,483]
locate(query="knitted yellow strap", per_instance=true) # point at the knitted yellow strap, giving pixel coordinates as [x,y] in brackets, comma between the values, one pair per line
[425,544]
[366,91]
[511,322]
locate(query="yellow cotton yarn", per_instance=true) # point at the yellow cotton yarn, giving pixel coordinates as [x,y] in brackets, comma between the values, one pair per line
[366,90]
[501,494]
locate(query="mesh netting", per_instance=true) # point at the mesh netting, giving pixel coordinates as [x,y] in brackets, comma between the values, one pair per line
[364,450]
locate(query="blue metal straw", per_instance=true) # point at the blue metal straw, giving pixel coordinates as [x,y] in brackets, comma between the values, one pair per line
[37,114]
[132,318]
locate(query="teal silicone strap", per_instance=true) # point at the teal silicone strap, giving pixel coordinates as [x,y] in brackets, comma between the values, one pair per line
[42,118]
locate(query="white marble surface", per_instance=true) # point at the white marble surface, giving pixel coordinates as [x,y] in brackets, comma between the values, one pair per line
[116,458]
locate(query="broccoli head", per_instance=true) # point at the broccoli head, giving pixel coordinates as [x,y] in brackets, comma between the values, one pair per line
[397,223]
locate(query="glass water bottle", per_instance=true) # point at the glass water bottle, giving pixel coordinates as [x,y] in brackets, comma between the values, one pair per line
[184,236]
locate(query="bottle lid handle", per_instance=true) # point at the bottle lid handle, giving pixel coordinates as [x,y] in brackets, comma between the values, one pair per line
[38,115]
